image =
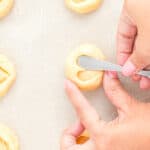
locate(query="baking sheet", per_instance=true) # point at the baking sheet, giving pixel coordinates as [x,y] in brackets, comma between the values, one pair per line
[37,36]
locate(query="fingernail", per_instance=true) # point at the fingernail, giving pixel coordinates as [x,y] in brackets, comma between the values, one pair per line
[128,69]
[112,74]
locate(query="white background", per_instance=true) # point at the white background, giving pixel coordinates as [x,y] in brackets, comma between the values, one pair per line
[37,36]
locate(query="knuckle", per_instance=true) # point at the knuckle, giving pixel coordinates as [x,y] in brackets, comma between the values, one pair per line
[126,35]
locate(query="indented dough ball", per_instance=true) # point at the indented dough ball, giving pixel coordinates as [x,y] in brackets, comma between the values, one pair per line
[83,138]
[5,7]
[83,6]
[85,80]
[7,75]
[8,139]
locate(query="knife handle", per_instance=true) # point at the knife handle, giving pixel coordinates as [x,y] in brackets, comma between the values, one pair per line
[118,68]
[144,73]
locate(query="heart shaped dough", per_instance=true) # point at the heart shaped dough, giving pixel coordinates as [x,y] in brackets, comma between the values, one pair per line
[5,7]
[7,75]
[8,139]
[83,6]
[85,80]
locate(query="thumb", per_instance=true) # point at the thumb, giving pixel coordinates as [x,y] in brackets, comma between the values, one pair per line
[139,59]
[116,93]
[68,139]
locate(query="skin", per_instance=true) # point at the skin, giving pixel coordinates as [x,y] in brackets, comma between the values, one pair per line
[129,131]
[133,48]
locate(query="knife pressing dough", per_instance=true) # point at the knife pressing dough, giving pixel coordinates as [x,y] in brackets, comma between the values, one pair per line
[7,75]
[85,80]
[8,140]
[83,138]
[5,7]
[83,6]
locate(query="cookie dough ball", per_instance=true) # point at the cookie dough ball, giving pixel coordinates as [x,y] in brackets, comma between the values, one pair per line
[84,79]
[7,75]
[8,140]
[5,7]
[83,6]
[83,138]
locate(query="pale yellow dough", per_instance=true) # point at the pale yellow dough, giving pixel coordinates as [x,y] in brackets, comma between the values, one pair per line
[85,80]
[8,140]
[5,7]
[7,75]
[83,6]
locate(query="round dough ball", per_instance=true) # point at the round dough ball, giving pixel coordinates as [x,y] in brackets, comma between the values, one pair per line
[85,80]
[8,140]
[83,6]
[7,75]
[5,7]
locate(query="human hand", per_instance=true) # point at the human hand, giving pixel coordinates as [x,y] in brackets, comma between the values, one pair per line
[129,131]
[133,46]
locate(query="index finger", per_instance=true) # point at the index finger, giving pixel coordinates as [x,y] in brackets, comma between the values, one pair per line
[87,114]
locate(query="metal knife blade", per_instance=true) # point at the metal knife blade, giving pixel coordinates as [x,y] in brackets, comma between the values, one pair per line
[93,64]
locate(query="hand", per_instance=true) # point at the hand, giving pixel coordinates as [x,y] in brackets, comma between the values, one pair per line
[129,131]
[133,36]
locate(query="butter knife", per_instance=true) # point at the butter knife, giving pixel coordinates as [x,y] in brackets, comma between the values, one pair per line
[90,63]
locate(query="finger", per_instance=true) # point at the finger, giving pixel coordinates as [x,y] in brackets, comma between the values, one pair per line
[145,83]
[69,136]
[139,59]
[116,93]
[85,111]
[125,37]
